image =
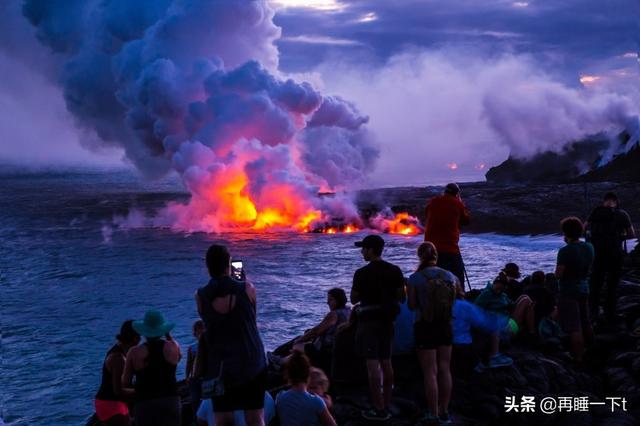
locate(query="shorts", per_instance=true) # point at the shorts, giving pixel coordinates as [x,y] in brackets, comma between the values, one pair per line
[107,409]
[247,396]
[432,335]
[573,313]
[374,339]
[163,411]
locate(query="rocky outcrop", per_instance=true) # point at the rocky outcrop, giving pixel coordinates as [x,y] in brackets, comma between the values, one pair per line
[509,209]
[597,159]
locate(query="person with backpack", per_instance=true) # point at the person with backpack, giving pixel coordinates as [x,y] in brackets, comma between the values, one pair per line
[607,228]
[379,288]
[444,215]
[432,291]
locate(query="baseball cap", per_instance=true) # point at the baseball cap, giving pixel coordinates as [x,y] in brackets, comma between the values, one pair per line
[371,241]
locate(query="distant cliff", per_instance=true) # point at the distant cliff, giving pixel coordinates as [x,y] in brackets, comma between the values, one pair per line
[596,159]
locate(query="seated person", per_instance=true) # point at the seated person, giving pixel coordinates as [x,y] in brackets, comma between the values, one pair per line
[317,342]
[551,334]
[205,417]
[296,406]
[513,287]
[544,299]
[493,299]
[319,385]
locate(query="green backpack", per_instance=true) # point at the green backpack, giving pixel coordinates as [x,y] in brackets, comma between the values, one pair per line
[439,295]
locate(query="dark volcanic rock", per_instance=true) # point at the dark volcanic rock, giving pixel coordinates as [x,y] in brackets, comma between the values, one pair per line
[550,167]
[509,209]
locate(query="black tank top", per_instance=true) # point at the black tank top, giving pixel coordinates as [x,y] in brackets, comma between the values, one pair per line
[105,392]
[158,378]
[233,345]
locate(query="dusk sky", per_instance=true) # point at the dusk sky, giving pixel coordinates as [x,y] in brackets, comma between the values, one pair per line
[442,82]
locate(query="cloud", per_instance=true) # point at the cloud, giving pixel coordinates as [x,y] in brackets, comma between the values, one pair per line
[429,109]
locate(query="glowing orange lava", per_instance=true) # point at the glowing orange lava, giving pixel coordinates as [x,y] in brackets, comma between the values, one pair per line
[279,206]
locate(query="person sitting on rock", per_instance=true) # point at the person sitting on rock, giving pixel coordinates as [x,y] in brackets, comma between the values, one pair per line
[572,269]
[493,299]
[431,292]
[551,334]
[317,342]
[514,287]
[319,385]
[467,317]
[544,300]
[296,406]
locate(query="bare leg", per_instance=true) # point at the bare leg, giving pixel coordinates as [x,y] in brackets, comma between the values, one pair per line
[427,360]
[444,378]
[387,381]
[375,383]
[524,315]
[254,417]
[224,419]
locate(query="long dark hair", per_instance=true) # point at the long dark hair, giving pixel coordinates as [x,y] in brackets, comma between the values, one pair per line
[427,253]
[340,296]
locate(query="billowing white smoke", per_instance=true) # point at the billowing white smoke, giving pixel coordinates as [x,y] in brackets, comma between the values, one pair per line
[432,109]
[188,85]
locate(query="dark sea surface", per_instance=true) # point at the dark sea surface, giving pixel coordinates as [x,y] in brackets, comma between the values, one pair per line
[69,279]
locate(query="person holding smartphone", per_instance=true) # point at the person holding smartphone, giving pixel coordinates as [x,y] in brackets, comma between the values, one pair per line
[235,366]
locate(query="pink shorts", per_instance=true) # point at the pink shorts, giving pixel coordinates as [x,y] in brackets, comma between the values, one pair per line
[107,409]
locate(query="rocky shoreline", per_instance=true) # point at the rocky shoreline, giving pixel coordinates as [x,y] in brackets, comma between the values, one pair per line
[612,369]
[509,209]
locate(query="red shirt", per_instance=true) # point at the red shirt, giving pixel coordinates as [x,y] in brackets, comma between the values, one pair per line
[444,215]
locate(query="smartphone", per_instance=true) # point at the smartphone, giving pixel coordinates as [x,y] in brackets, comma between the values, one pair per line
[236,269]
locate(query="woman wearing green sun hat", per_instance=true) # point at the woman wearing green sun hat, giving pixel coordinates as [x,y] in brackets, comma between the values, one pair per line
[154,366]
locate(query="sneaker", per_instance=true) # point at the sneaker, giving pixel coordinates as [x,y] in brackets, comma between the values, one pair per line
[445,419]
[376,415]
[499,360]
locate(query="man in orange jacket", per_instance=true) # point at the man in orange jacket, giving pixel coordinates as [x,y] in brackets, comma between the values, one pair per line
[444,215]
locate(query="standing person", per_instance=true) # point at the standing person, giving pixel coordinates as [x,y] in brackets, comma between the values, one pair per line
[234,351]
[432,291]
[608,226]
[194,380]
[444,215]
[378,287]
[112,397]
[297,406]
[572,269]
[154,366]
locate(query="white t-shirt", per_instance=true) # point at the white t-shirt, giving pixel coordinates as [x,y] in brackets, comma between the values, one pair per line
[205,412]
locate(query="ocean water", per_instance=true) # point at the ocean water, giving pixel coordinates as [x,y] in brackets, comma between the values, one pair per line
[68,280]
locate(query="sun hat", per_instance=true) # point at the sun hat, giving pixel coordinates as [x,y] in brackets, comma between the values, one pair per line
[153,325]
